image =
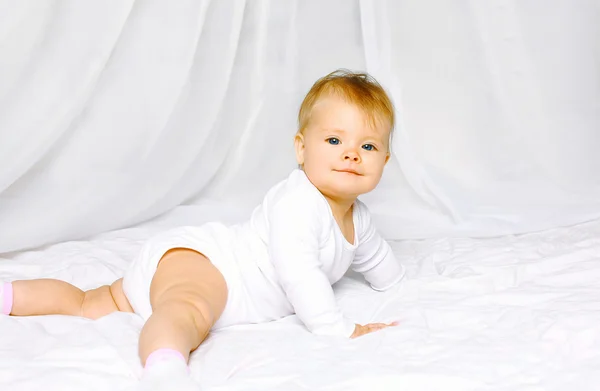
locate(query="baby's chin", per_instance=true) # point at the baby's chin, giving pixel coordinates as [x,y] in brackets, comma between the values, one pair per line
[342,185]
[347,190]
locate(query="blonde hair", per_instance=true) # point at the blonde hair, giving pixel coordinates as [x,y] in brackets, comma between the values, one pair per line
[360,89]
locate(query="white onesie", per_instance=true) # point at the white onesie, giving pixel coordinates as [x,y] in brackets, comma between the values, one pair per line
[283,261]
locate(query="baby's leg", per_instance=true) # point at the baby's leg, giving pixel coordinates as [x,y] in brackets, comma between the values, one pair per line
[47,297]
[188,294]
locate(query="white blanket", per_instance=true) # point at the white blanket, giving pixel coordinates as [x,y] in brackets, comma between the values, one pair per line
[508,313]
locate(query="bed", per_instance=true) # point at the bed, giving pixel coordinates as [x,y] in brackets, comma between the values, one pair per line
[519,312]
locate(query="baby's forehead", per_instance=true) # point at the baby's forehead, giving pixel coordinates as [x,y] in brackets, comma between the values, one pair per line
[328,117]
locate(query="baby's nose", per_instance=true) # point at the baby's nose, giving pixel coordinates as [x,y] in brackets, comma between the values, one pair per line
[351,155]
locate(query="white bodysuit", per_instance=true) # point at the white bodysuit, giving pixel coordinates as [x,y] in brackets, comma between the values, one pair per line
[283,261]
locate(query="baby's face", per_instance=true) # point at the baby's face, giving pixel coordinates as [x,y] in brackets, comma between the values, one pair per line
[343,153]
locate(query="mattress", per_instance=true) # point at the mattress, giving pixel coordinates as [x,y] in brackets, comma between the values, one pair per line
[506,313]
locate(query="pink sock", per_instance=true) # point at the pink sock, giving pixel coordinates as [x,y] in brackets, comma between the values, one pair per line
[167,369]
[7,298]
[164,355]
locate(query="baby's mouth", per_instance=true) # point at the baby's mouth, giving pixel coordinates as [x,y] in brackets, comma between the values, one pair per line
[348,171]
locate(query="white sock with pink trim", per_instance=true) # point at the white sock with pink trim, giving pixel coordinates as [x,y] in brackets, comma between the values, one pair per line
[6,297]
[166,369]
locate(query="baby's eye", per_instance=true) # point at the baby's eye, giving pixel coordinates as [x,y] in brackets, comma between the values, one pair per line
[333,141]
[369,147]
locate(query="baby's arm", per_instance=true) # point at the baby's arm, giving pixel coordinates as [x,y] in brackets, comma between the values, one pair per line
[374,257]
[294,250]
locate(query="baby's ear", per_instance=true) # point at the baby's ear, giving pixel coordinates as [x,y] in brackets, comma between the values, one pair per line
[299,147]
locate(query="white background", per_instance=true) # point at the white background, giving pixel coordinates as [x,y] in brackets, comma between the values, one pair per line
[114,112]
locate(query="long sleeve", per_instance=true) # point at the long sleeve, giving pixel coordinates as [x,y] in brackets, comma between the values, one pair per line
[374,258]
[295,229]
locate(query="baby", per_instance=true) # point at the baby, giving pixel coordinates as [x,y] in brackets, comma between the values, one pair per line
[304,236]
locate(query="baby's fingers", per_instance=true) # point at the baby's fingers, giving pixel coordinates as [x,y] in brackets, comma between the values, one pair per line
[376,326]
[369,328]
[379,326]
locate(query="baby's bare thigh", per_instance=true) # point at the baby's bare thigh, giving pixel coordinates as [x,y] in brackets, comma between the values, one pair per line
[105,300]
[186,275]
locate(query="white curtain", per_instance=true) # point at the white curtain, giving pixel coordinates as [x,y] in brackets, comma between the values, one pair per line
[499,103]
[114,112]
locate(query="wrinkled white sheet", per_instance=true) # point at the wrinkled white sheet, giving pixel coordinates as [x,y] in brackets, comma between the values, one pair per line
[506,313]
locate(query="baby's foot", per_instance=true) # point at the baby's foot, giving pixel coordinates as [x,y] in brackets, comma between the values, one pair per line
[166,369]
[6,298]
[167,376]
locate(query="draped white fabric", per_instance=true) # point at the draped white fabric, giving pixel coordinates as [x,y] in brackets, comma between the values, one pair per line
[114,112]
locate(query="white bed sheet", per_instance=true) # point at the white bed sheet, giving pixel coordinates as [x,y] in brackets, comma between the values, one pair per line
[507,313]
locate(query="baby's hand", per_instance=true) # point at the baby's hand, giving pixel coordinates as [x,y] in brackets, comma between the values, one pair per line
[369,328]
